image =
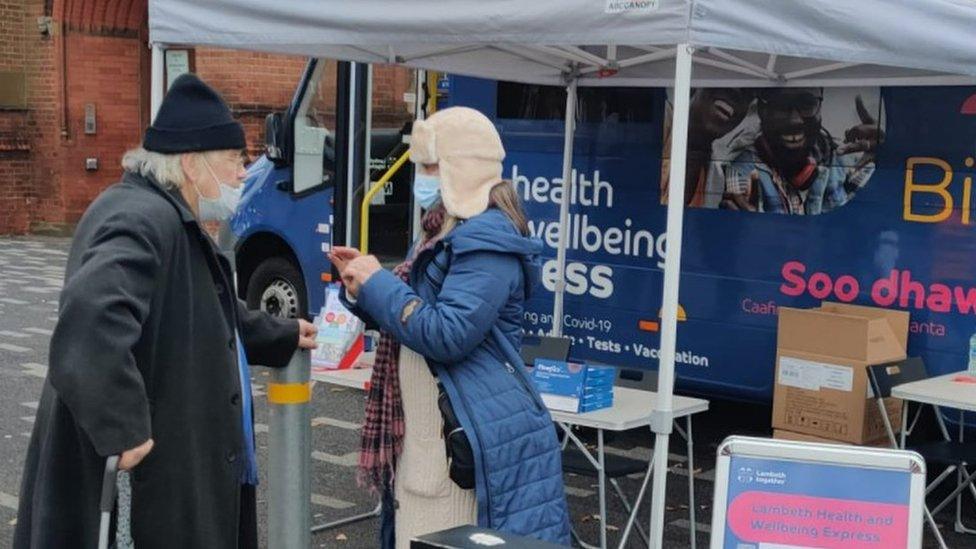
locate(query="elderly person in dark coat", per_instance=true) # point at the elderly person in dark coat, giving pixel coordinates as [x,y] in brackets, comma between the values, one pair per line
[149,357]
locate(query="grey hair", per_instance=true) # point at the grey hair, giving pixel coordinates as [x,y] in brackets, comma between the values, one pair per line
[164,168]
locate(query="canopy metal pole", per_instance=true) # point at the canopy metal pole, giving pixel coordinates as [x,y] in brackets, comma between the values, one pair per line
[351,139]
[157,82]
[570,131]
[419,113]
[662,420]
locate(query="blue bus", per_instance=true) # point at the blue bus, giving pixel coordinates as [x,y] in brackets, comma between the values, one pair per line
[795,197]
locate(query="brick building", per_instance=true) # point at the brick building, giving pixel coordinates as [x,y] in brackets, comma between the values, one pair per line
[63,59]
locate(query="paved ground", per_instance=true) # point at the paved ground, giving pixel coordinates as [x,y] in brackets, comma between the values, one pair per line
[30,279]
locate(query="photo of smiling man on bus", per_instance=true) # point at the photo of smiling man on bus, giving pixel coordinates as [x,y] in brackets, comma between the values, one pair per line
[714,112]
[779,153]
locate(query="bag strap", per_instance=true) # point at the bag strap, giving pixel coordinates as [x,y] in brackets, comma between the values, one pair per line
[509,353]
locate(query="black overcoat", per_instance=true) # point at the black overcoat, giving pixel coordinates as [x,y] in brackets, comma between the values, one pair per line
[145,348]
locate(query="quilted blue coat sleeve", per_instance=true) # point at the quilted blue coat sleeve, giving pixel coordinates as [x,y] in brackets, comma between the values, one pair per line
[350,303]
[450,328]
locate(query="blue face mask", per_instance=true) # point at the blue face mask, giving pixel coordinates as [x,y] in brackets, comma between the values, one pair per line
[224,206]
[426,189]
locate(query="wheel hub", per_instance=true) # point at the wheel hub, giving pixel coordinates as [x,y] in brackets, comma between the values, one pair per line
[280,299]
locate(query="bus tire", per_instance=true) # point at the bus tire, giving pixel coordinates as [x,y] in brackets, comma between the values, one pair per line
[277,287]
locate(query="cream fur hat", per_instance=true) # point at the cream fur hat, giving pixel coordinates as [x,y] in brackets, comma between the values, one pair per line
[469,151]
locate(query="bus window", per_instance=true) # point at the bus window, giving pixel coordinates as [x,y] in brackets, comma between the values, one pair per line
[321,113]
[533,102]
[390,116]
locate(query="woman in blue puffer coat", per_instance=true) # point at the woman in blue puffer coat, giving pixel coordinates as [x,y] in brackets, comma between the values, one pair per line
[454,310]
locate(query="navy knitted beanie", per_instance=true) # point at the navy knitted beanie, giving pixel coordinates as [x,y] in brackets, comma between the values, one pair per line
[193,118]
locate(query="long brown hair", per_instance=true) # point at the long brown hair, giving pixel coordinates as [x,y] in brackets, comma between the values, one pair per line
[504,197]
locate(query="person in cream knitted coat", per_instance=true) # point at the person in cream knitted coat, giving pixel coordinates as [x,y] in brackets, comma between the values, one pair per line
[456,312]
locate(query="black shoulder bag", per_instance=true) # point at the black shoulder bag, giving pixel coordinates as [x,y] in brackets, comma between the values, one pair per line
[460,455]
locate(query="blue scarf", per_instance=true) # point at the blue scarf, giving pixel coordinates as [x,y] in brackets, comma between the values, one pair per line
[249,472]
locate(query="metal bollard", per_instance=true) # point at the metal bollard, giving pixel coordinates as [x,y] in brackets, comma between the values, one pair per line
[289,433]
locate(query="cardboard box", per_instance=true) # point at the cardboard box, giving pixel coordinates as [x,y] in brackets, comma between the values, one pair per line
[790,435]
[821,386]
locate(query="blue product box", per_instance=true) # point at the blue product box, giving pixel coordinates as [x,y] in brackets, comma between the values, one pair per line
[564,386]
[590,398]
[592,408]
[598,402]
[594,391]
[599,378]
[598,383]
[594,371]
[560,383]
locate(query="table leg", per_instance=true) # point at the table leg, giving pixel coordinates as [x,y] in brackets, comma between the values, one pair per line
[942,425]
[630,511]
[963,473]
[958,525]
[602,482]
[935,529]
[691,486]
[632,519]
[962,426]
[959,476]
[904,421]
[597,464]
[938,480]
[889,429]
[959,489]
[349,520]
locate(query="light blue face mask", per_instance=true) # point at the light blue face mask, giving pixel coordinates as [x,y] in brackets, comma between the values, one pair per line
[221,208]
[224,206]
[426,189]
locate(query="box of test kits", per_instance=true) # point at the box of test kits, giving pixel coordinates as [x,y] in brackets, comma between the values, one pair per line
[573,386]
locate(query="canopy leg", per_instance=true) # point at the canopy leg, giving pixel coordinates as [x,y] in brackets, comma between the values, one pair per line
[570,130]
[157,82]
[662,419]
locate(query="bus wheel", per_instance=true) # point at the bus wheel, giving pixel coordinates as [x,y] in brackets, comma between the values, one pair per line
[277,288]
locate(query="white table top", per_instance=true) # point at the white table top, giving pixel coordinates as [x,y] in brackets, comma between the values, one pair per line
[355,378]
[939,391]
[631,408]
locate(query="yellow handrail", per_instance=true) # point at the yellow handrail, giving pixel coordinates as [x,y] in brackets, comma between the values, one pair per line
[432,78]
[368,197]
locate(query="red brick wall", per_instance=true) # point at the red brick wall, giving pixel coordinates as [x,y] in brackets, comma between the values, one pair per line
[254,84]
[268,83]
[43,148]
[45,183]
[389,84]
[14,146]
[12,35]
[102,71]
[15,173]
[44,101]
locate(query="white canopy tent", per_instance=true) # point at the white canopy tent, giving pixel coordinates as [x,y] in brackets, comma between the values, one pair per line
[652,43]
[817,42]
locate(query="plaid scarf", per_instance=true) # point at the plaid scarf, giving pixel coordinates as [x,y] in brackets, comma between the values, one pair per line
[382,437]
